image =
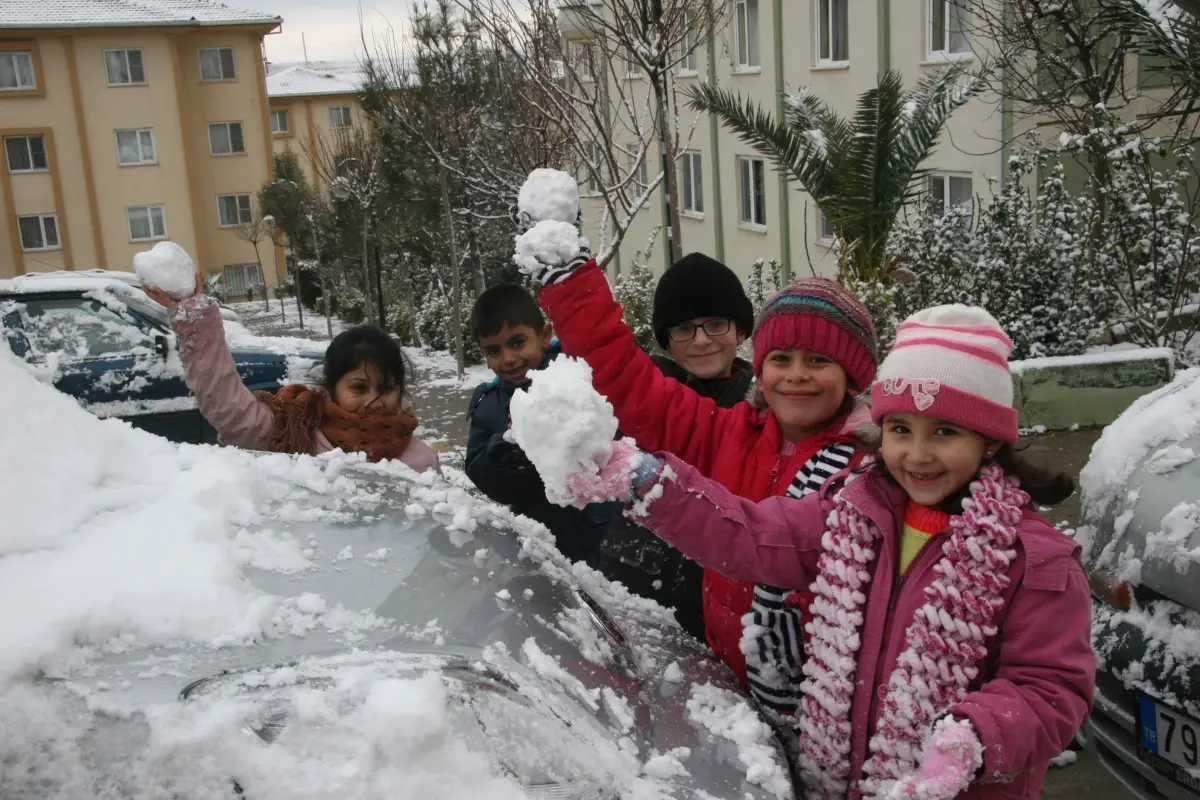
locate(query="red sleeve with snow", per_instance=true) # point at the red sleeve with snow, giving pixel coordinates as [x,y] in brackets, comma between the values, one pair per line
[659,412]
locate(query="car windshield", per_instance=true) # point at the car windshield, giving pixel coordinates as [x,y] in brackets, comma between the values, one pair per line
[78,327]
[141,304]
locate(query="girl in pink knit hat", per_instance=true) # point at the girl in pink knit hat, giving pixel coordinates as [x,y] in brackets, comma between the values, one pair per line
[949,652]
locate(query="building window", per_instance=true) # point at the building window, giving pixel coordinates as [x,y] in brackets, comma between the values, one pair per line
[136,146]
[753,190]
[39,232]
[637,164]
[583,59]
[234,209]
[948,25]
[339,117]
[279,120]
[124,67]
[225,138]
[833,31]
[693,183]
[632,68]
[745,33]
[828,232]
[240,278]
[16,71]
[146,223]
[26,153]
[687,44]
[216,64]
[949,191]
[596,156]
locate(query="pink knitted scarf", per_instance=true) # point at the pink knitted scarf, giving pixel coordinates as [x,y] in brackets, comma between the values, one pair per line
[945,642]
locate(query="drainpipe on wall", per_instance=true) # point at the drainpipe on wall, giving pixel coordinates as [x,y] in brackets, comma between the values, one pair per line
[714,129]
[785,215]
[1006,110]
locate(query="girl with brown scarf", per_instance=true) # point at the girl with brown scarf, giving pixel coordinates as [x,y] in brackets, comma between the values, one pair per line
[361,405]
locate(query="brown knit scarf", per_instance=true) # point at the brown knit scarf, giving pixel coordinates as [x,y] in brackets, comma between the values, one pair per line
[301,411]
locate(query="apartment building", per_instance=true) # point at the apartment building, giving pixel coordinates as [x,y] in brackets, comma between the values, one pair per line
[735,207]
[311,104]
[128,123]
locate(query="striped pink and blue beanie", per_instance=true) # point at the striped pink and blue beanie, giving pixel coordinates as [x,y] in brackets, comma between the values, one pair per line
[820,315]
[950,363]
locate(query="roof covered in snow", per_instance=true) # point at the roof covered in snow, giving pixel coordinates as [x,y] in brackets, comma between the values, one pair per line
[64,281]
[106,13]
[328,77]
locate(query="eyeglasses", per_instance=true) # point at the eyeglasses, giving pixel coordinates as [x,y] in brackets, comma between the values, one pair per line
[686,331]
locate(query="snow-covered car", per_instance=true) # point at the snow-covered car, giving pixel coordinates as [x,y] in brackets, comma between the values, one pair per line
[1141,537]
[100,339]
[195,621]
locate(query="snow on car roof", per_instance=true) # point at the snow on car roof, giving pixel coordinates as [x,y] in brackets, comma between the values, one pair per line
[67,281]
[105,13]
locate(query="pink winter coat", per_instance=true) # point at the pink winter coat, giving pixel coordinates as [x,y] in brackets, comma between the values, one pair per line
[1036,687]
[238,416]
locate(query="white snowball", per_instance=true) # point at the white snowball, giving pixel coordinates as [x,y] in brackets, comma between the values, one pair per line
[549,194]
[169,267]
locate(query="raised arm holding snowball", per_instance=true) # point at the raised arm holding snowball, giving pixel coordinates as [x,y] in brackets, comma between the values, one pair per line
[360,407]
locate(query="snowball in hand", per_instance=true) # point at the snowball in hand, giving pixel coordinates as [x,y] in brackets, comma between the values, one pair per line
[549,194]
[548,244]
[563,425]
[169,267]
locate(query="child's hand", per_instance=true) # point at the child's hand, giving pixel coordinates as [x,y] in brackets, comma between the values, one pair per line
[952,757]
[615,481]
[165,300]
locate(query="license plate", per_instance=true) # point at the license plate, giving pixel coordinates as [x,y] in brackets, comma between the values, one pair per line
[1170,741]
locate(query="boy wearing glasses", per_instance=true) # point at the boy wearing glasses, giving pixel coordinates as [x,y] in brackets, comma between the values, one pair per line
[701,316]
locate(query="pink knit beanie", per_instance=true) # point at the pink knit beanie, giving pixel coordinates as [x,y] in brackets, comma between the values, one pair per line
[820,315]
[950,363]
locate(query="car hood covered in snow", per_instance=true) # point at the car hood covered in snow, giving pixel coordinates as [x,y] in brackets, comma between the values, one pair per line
[187,621]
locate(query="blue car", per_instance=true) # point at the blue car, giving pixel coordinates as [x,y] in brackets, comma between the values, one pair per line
[104,342]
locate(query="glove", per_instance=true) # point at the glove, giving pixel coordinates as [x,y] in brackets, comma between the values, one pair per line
[549,245]
[626,472]
[952,757]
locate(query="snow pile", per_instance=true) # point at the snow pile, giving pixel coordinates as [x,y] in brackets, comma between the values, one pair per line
[1153,426]
[113,538]
[729,716]
[564,425]
[167,266]
[550,194]
[548,243]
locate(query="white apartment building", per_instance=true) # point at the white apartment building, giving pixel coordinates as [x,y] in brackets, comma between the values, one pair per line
[735,207]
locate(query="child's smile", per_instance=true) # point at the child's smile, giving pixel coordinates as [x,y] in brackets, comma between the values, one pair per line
[929,458]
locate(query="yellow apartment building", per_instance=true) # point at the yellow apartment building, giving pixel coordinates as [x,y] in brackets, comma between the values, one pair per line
[310,104]
[128,123]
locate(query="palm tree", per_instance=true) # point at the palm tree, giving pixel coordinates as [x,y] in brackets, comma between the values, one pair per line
[1167,33]
[862,171]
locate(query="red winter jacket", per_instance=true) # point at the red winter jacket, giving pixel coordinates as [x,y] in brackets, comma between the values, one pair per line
[738,447]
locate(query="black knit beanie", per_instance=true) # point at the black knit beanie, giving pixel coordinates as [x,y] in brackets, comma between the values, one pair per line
[699,286]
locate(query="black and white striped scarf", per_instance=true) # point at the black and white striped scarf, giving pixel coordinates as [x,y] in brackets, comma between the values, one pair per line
[771,631]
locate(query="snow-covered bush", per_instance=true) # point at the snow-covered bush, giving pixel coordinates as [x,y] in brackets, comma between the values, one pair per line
[765,279]
[1024,258]
[1149,254]
[634,290]
[350,303]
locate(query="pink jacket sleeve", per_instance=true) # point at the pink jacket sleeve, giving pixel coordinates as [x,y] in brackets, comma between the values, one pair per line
[1045,677]
[776,541]
[239,418]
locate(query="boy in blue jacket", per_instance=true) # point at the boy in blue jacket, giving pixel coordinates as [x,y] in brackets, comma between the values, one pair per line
[515,339]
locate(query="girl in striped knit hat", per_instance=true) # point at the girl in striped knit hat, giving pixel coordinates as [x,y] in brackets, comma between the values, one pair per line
[949,652]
